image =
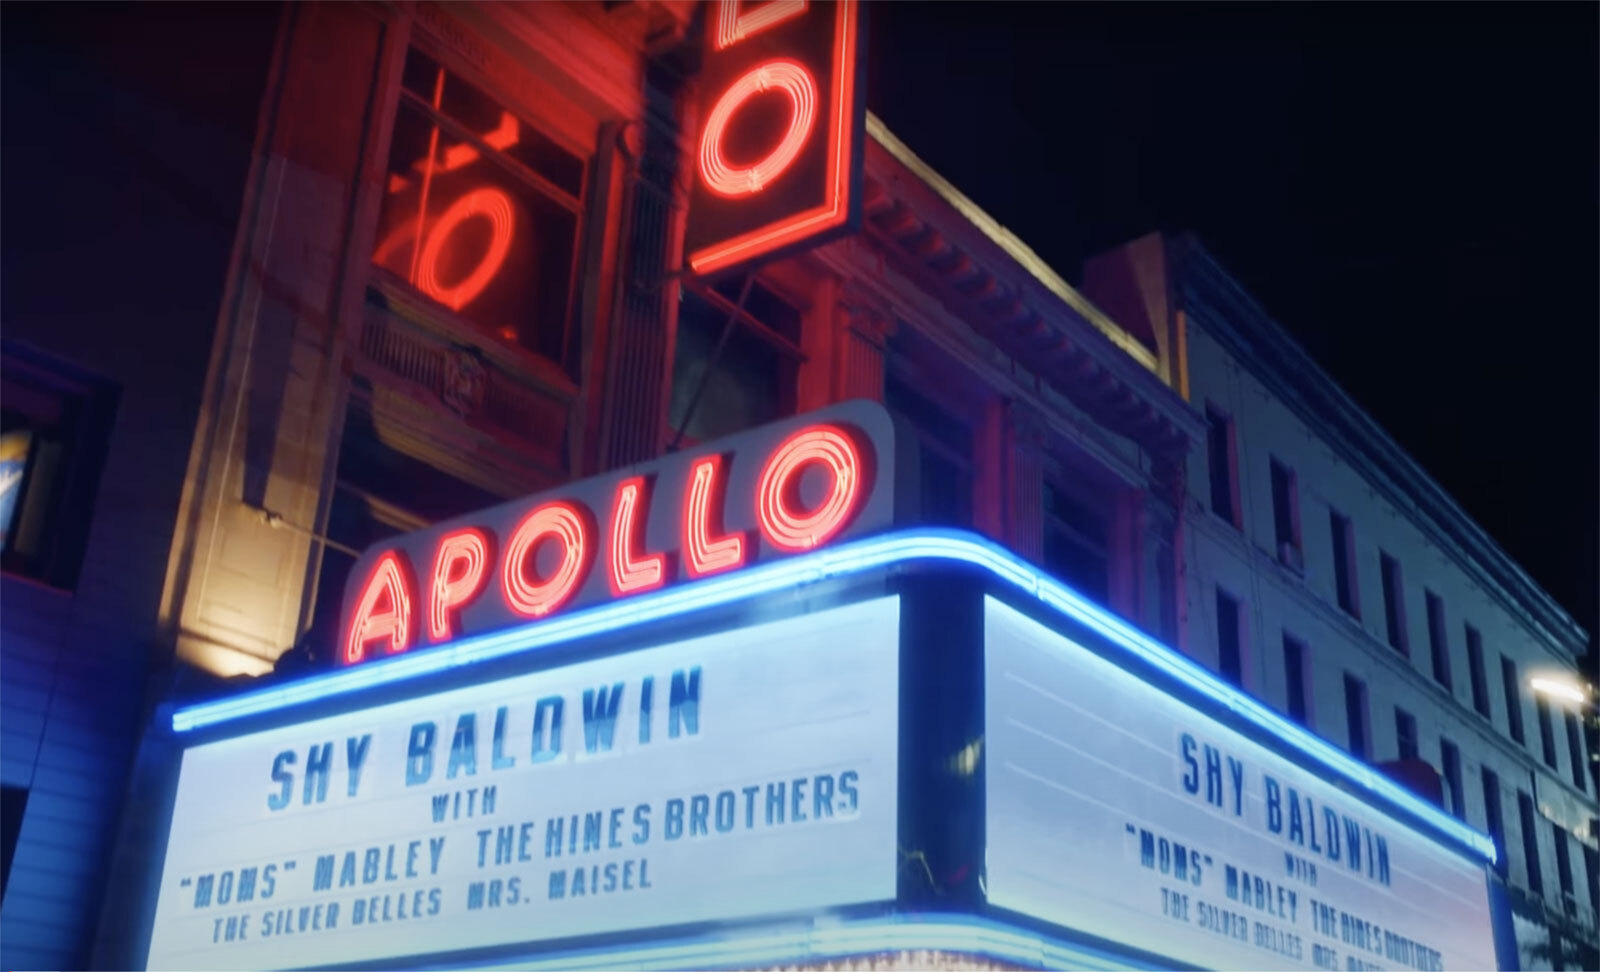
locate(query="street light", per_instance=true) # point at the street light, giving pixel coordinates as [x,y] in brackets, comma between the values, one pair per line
[1564,688]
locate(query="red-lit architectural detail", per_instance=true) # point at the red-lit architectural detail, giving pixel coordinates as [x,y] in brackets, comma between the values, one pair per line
[560,523]
[384,610]
[630,569]
[781,524]
[460,569]
[789,77]
[734,26]
[702,513]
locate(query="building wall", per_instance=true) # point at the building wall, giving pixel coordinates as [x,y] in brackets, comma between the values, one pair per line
[123,170]
[1278,600]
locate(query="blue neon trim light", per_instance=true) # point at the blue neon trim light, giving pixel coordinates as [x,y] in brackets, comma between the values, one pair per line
[824,940]
[856,557]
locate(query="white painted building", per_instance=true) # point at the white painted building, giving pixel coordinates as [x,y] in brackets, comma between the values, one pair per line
[1332,577]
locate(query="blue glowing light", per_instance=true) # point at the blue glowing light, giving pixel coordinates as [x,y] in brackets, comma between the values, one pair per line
[825,940]
[856,557]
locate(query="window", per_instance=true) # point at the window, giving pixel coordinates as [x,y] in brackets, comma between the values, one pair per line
[1480,681]
[1344,561]
[1450,756]
[1530,842]
[1285,509]
[1508,680]
[1591,864]
[944,450]
[1394,607]
[55,422]
[1494,819]
[1575,750]
[13,804]
[1405,733]
[1438,639]
[1220,457]
[481,212]
[378,492]
[1296,676]
[1230,660]
[733,367]
[1075,541]
[1355,714]
[1569,900]
[1547,732]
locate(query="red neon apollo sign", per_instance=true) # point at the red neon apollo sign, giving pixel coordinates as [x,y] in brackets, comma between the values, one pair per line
[783,489]
[778,159]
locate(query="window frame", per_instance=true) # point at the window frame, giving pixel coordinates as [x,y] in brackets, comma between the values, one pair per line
[1403,720]
[1394,603]
[1439,641]
[1222,422]
[1575,750]
[1528,823]
[1450,769]
[1290,515]
[1514,724]
[1302,654]
[1358,716]
[1225,597]
[792,356]
[1478,674]
[1346,583]
[581,206]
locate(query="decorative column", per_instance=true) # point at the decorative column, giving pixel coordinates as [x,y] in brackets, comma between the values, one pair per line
[1025,483]
[865,324]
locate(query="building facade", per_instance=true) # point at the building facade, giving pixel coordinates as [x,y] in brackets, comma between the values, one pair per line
[1328,574]
[367,373]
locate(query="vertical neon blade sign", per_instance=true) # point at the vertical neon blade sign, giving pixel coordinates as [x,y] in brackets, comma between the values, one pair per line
[777,162]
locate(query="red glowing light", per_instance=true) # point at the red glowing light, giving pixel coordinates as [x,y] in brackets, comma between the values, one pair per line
[558,522]
[460,568]
[834,450]
[730,181]
[834,209]
[632,570]
[733,26]
[488,202]
[373,620]
[701,512]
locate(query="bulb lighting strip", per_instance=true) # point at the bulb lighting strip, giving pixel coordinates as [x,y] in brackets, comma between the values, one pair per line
[821,942]
[856,557]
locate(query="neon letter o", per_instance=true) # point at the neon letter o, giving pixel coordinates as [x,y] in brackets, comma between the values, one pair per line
[492,203]
[559,522]
[791,531]
[723,178]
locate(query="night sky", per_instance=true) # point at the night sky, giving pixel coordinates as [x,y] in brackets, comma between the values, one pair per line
[1410,191]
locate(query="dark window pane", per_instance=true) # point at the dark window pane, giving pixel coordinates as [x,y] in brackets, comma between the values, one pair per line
[1230,661]
[1075,542]
[1294,667]
[1219,455]
[1394,618]
[1438,639]
[1355,713]
[1343,578]
[1405,728]
[1480,681]
[493,248]
[944,446]
[1285,530]
[1495,819]
[1530,842]
[1547,731]
[1451,757]
[1508,682]
[1575,748]
[749,383]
